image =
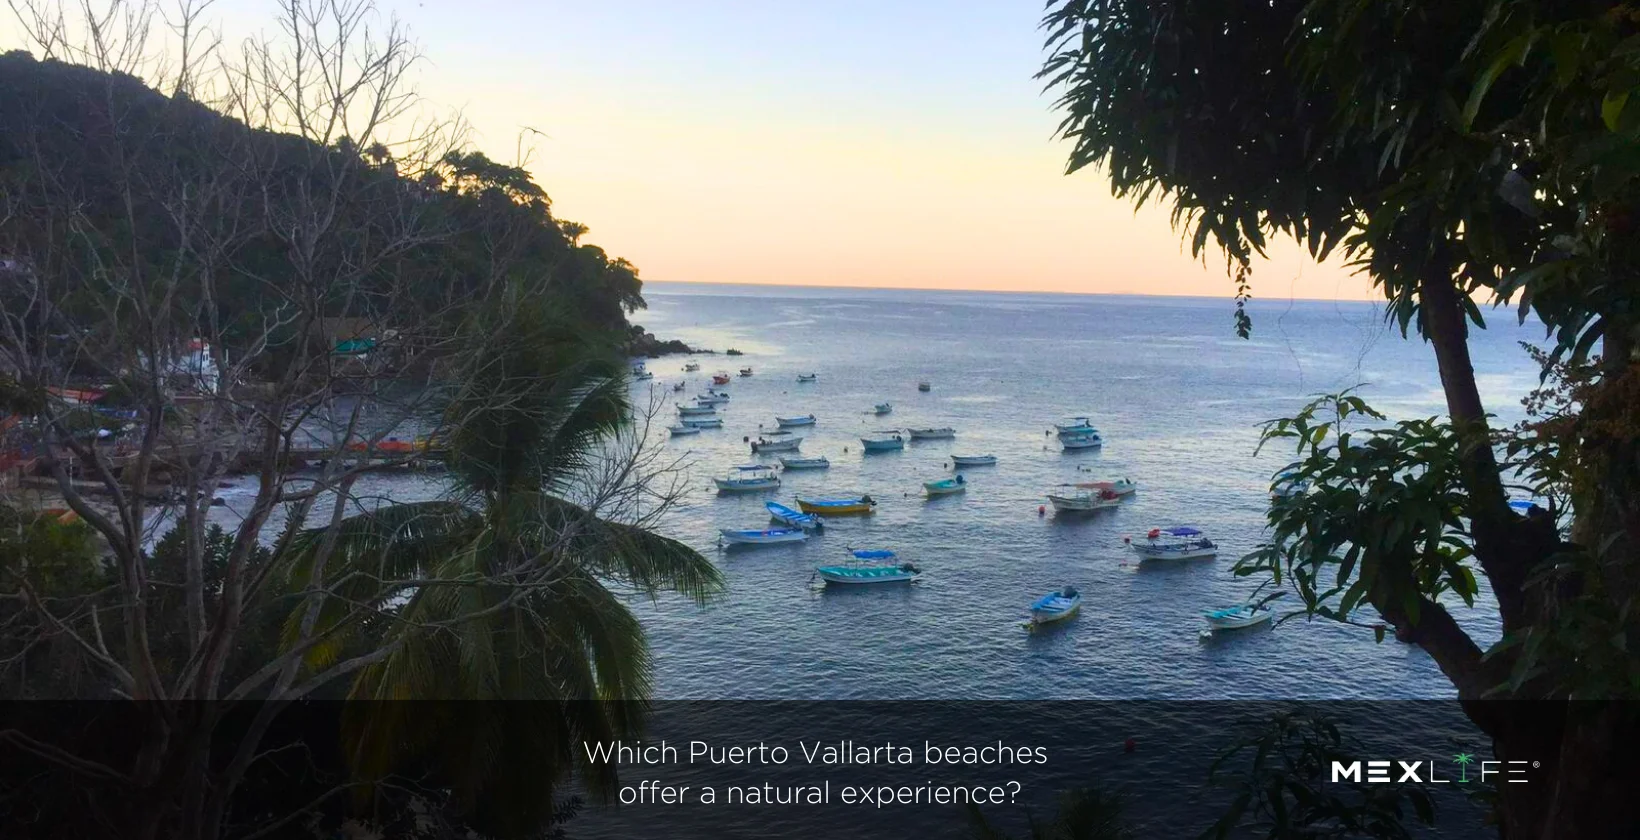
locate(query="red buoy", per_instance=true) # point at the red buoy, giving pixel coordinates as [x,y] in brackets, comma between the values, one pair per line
[1130,745]
[1041,510]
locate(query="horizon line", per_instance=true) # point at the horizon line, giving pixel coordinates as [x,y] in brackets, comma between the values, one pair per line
[845,286]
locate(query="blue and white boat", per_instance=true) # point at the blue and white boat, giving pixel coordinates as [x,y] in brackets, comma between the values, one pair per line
[804,420]
[875,566]
[940,433]
[767,536]
[711,398]
[1239,616]
[882,408]
[751,478]
[1177,543]
[794,518]
[973,460]
[703,422]
[883,441]
[683,429]
[1081,440]
[807,377]
[945,486]
[696,411]
[1056,606]
[819,463]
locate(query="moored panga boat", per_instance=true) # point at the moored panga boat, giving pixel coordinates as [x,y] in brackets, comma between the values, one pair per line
[1121,486]
[767,536]
[703,422]
[691,367]
[769,443]
[1288,485]
[945,486]
[695,410]
[941,433]
[1056,606]
[1178,543]
[720,379]
[973,460]
[792,518]
[874,566]
[1083,499]
[712,398]
[883,441]
[748,479]
[882,408]
[1239,616]
[803,420]
[684,429]
[1074,425]
[836,506]
[745,371]
[807,377]
[819,463]
[1081,440]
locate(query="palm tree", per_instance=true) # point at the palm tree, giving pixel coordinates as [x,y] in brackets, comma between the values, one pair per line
[1084,814]
[1463,760]
[524,649]
[573,230]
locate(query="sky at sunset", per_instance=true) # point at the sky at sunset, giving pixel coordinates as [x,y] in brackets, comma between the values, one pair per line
[895,143]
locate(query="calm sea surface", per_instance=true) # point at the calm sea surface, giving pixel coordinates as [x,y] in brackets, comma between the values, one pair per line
[1178,399]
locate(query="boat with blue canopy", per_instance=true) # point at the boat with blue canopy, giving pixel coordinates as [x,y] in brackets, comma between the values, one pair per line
[871,566]
[1056,606]
[750,478]
[794,518]
[766,536]
[1176,543]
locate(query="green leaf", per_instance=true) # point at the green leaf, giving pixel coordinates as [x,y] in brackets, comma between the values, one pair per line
[1512,53]
[1611,108]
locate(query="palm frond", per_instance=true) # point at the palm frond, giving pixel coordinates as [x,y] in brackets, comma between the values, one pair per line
[646,561]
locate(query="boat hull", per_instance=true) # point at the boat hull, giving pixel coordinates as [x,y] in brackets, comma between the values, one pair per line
[786,516]
[940,488]
[932,434]
[678,431]
[1082,503]
[882,445]
[1146,552]
[758,486]
[777,445]
[974,460]
[1040,617]
[1081,443]
[791,422]
[771,537]
[1239,621]
[833,508]
[848,576]
[805,463]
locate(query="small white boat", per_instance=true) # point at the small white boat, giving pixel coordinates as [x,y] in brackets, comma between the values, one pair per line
[1178,543]
[691,367]
[1083,500]
[943,433]
[1056,606]
[793,518]
[877,566]
[1237,617]
[684,429]
[883,441]
[696,410]
[1075,425]
[819,463]
[974,460]
[1088,440]
[882,408]
[807,377]
[945,487]
[745,371]
[924,387]
[751,478]
[804,420]
[703,422]
[680,386]
[768,536]
[712,398]
[776,444]
[642,375]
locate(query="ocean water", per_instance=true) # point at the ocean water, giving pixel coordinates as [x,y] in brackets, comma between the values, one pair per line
[1179,401]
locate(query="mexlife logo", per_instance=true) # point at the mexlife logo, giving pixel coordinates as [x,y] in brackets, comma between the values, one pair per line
[1431,772]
